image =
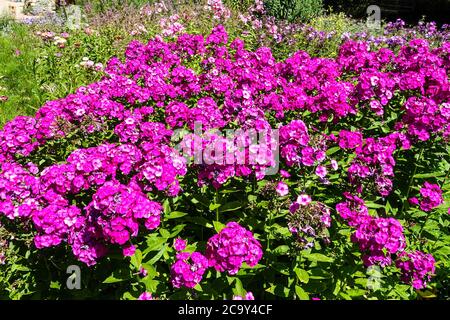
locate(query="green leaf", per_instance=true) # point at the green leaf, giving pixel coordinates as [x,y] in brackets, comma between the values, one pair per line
[198,199]
[444,251]
[373,205]
[337,287]
[301,294]
[281,250]
[317,257]
[199,220]
[427,294]
[56,284]
[345,296]
[166,206]
[154,242]
[175,215]
[302,275]
[231,206]
[239,289]
[263,204]
[113,279]
[164,233]
[214,206]
[19,267]
[283,231]
[136,259]
[332,150]
[430,175]
[401,291]
[388,207]
[151,271]
[282,268]
[279,290]
[177,230]
[198,288]
[158,255]
[258,266]
[150,284]
[218,226]
[128,296]
[356,292]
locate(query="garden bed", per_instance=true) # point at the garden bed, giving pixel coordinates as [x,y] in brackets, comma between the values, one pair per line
[160,152]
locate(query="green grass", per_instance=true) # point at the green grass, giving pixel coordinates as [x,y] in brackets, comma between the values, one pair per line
[18,81]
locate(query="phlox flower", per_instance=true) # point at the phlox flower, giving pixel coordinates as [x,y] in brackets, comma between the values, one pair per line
[179,244]
[303,199]
[145,296]
[232,246]
[282,189]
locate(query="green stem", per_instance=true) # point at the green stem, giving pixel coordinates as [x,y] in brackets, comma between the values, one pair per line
[412,178]
[270,232]
[216,200]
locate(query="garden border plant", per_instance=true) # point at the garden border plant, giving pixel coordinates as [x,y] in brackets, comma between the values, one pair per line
[363,179]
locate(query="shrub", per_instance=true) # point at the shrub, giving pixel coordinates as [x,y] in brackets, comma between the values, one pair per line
[291,10]
[354,8]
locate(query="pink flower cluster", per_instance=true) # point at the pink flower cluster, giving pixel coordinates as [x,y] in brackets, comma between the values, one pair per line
[145,296]
[232,246]
[294,139]
[248,296]
[225,251]
[379,238]
[171,26]
[116,209]
[353,210]
[188,269]
[424,116]
[350,139]
[179,244]
[220,11]
[374,163]
[113,215]
[121,127]
[282,189]
[431,197]
[18,189]
[417,268]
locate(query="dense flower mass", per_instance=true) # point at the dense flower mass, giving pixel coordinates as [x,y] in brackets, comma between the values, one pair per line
[353,210]
[179,244]
[188,270]
[378,238]
[232,246]
[113,156]
[431,197]
[417,268]
[349,139]
[374,164]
